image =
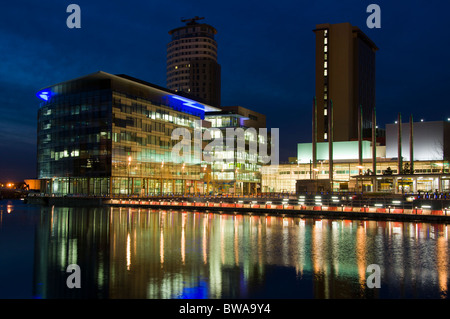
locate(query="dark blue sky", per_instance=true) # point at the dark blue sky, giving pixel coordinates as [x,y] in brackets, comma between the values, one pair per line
[266,50]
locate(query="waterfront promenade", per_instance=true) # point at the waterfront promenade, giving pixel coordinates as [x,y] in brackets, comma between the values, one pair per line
[353,206]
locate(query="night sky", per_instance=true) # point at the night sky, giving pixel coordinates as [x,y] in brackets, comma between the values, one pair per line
[266,51]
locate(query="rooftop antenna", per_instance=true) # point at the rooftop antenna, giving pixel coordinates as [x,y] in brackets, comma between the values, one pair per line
[192,20]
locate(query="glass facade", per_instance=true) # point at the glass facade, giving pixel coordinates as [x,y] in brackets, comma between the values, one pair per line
[236,171]
[111,135]
[74,137]
[429,176]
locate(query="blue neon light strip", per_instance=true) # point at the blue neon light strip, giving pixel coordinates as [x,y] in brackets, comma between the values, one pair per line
[190,103]
[44,95]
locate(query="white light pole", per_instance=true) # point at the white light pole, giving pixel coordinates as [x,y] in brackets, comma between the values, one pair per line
[128,182]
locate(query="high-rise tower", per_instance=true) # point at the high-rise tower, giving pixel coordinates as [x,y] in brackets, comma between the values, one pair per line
[192,61]
[345,75]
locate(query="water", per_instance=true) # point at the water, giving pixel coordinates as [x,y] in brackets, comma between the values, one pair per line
[145,253]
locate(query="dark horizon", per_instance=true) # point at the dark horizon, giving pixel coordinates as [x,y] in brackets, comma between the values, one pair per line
[266,52]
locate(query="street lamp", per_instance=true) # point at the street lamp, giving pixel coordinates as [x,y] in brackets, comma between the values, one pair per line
[205,180]
[128,181]
[183,180]
[161,186]
[235,180]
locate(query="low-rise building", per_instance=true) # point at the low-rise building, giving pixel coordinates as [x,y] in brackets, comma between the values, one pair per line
[428,172]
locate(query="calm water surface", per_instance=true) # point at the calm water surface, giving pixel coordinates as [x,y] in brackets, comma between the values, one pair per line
[146,253]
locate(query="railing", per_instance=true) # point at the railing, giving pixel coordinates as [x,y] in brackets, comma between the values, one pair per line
[323,205]
[425,204]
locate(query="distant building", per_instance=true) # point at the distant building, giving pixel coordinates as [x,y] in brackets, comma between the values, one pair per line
[192,65]
[345,75]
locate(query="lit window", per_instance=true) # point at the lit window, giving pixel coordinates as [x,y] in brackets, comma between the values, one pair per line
[325,49]
[325,64]
[325,41]
[325,72]
[325,112]
[325,136]
[325,32]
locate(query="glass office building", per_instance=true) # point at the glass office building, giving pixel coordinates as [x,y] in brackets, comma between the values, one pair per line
[238,171]
[105,134]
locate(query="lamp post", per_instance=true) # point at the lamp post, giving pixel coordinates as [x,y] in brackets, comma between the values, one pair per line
[221,176]
[235,180]
[204,180]
[161,186]
[128,180]
[212,176]
[183,180]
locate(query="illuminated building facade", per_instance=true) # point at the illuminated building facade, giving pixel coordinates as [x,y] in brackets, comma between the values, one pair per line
[429,176]
[105,134]
[424,168]
[192,61]
[428,172]
[241,174]
[111,135]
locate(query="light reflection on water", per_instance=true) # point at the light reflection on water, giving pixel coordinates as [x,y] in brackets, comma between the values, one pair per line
[144,253]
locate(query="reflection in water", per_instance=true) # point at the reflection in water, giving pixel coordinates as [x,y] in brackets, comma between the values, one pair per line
[145,253]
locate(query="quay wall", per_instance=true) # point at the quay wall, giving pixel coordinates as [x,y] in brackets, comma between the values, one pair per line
[277,210]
